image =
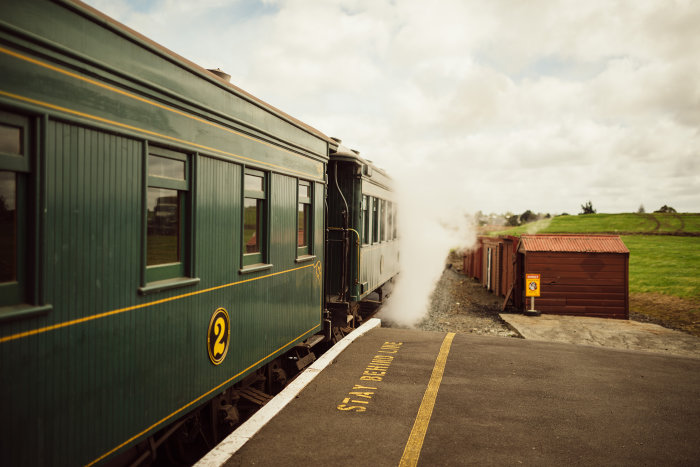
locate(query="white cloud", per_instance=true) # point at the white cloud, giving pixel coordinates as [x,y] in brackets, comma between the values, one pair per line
[510,106]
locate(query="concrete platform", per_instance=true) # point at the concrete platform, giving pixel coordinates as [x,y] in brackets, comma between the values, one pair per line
[495,401]
[613,333]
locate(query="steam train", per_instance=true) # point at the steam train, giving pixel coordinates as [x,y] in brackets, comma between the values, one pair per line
[171,248]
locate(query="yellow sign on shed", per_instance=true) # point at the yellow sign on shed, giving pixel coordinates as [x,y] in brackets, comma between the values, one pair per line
[532,285]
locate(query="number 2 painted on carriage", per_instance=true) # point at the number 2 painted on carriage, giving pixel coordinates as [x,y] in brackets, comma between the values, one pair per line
[219,333]
[218,336]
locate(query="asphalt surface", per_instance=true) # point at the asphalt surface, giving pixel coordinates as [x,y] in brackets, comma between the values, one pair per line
[500,401]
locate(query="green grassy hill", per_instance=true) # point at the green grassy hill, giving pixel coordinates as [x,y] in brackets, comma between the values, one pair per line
[664,277]
[621,224]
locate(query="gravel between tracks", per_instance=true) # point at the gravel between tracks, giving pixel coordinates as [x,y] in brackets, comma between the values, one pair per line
[460,304]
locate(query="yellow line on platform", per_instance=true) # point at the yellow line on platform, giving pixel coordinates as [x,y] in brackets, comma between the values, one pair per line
[411,452]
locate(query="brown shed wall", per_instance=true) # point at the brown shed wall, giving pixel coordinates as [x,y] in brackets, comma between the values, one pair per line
[583,284]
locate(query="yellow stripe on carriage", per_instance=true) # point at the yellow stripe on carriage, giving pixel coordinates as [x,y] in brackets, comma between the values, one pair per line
[147,132]
[136,307]
[165,419]
[150,102]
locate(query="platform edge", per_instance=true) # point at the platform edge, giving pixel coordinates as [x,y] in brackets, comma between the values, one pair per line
[233,442]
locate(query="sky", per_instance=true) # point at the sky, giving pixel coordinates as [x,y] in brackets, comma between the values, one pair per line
[493,105]
[502,105]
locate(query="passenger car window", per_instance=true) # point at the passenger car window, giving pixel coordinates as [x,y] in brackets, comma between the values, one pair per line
[304,230]
[166,214]
[14,216]
[254,236]
[375,220]
[365,219]
[383,221]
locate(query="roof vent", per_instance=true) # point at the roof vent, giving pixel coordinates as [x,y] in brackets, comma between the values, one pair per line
[356,151]
[337,140]
[221,74]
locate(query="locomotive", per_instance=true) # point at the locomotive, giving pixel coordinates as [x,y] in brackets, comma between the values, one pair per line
[171,247]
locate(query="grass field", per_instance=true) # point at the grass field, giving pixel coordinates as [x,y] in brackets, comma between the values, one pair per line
[612,223]
[664,264]
[664,277]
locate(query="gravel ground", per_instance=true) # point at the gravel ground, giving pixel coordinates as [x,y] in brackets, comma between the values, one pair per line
[460,304]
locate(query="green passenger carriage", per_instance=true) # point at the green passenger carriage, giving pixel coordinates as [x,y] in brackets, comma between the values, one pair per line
[363,246]
[162,238]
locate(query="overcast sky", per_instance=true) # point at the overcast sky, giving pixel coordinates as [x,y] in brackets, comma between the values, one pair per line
[498,105]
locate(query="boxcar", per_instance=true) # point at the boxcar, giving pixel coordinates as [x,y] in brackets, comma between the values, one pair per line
[473,260]
[162,235]
[363,247]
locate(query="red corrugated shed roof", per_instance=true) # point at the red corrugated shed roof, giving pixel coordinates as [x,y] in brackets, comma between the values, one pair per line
[574,243]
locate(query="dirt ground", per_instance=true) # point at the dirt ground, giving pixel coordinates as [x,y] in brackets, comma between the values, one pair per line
[460,304]
[670,312]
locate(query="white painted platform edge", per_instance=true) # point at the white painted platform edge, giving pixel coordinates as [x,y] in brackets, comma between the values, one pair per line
[233,442]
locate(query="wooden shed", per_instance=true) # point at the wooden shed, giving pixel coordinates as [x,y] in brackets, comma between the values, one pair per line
[581,275]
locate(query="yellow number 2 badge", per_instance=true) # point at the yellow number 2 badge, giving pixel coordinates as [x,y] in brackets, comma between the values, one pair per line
[218,336]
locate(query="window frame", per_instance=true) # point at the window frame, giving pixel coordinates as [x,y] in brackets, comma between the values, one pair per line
[375,220]
[383,221]
[390,220]
[395,223]
[160,277]
[365,210]
[305,251]
[17,291]
[251,262]
[24,297]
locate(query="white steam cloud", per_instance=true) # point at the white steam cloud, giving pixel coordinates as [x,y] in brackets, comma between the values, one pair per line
[541,224]
[431,223]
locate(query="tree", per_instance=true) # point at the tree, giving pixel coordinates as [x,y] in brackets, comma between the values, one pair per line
[513,221]
[641,209]
[527,216]
[666,209]
[587,208]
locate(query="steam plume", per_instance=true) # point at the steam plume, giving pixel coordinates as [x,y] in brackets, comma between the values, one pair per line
[432,221]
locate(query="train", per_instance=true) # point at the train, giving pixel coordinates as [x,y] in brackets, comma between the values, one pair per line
[172,247]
